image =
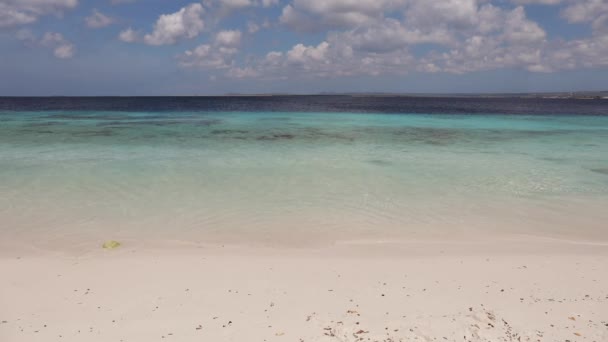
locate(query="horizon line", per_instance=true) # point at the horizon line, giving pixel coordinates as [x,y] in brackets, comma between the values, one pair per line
[353,94]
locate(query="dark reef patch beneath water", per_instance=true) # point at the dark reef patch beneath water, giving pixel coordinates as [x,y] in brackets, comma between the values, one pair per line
[160,123]
[380,162]
[602,170]
[274,137]
[228,131]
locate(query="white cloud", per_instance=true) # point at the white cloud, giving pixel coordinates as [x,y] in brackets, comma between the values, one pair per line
[588,11]
[20,12]
[304,54]
[186,23]
[537,2]
[98,20]
[589,52]
[331,59]
[318,15]
[64,51]
[226,7]
[478,35]
[270,3]
[518,29]
[468,35]
[517,44]
[129,35]
[219,55]
[274,58]
[450,22]
[61,47]
[10,16]
[373,37]
[480,53]
[252,27]
[421,21]
[246,72]
[208,57]
[459,14]
[228,38]
[236,4]
[388,35]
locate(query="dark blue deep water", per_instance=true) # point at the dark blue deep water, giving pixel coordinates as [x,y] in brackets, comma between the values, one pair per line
[319,103]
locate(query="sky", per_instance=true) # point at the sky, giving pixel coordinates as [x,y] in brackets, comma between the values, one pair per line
[211,47]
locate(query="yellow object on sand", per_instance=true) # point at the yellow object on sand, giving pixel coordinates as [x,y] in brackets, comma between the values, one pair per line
[111,244]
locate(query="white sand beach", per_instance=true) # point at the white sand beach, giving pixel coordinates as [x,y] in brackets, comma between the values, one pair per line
[518,289]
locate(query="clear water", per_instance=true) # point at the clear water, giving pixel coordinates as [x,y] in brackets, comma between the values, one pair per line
[264,177]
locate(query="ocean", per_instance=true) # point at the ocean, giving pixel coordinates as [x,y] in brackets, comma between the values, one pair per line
[302,170]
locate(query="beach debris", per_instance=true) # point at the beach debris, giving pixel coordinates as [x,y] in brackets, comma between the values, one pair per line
[329,332]
[110,244]
[279,334]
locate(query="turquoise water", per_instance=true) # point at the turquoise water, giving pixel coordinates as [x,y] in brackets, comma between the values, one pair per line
[300,177]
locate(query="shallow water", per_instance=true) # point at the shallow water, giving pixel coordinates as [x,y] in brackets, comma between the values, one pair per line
[300,177]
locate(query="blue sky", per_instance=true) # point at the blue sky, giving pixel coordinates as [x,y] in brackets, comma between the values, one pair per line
[163,47]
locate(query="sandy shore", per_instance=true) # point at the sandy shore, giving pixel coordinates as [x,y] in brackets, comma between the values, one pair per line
[516,290]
